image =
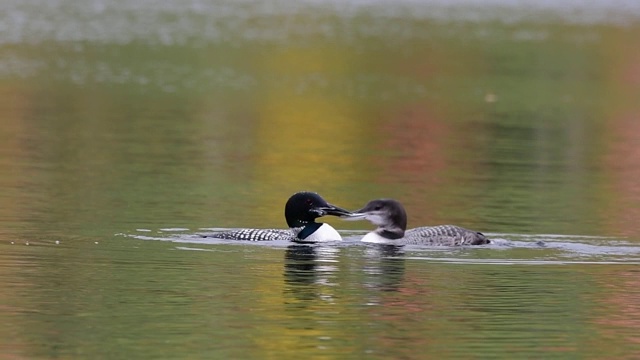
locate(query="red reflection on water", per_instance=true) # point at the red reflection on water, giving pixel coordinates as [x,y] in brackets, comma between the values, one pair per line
[624,167]
[624,157]
[425,153]
[415,155]
[621,314]
[418,137]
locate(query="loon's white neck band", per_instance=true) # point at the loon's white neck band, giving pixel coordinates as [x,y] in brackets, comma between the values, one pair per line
[324,233]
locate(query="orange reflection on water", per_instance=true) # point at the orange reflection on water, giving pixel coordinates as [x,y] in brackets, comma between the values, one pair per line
[623,126]
[624,168]
[426,152]
[621,310]
[418,135]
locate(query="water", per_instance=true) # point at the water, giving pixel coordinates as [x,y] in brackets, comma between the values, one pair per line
[129,126]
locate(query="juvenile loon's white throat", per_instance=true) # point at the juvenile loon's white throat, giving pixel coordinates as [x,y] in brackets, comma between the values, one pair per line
[375,238]
[391,218]
[301,211]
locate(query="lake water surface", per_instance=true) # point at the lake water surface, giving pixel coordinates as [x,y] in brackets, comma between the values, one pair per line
[127,127]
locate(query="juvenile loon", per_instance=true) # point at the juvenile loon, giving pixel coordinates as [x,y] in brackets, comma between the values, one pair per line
[391,218]
[300,211]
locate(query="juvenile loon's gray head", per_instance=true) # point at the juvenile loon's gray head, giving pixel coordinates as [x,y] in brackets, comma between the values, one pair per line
[387,214]
[303,208]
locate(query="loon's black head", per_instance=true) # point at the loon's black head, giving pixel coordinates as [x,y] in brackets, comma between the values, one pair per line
[387,214]
[305,207]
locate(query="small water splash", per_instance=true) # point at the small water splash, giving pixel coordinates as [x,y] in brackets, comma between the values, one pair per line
[538,249]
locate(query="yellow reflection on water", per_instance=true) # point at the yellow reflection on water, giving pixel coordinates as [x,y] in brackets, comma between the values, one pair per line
[304,139]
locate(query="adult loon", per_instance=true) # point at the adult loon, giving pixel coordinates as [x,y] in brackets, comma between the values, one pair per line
[300,211]
[391,218]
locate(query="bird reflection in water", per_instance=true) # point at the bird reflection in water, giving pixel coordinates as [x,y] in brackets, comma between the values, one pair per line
[384,266]
[310,272]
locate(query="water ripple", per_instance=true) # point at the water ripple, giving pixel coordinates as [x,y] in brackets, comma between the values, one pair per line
[507,249]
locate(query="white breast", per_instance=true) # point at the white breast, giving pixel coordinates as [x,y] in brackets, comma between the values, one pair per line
[324,233]
[374,238]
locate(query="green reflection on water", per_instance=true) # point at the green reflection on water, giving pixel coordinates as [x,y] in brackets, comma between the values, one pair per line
[478,124]
[128,298]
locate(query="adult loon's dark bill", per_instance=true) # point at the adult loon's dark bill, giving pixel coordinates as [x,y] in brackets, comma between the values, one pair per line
[330,210]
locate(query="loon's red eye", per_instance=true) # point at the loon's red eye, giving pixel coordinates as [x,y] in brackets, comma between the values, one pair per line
[309,201]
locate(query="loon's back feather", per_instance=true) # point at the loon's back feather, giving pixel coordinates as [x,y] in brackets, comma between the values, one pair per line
[254,235]
[444,235]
